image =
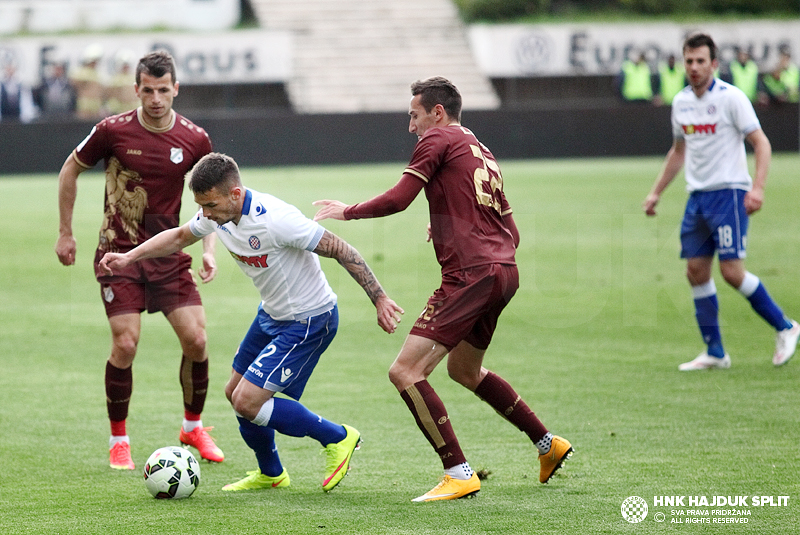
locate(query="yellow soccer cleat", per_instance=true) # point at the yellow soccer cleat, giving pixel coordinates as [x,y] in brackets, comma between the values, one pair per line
[560,451]
[256,480]
[452,489]
[338,458]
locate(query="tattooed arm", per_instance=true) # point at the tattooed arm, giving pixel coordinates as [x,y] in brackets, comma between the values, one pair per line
[332,246]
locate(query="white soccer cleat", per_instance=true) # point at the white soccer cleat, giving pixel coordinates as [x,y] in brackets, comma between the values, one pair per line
[704,361]
[785,344]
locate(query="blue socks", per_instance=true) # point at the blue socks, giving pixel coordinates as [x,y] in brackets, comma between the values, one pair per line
[753,289]
[262,441]
[290,417]
[706,310]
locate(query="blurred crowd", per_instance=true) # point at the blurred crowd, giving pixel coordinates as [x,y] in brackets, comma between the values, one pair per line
[637,82]
[86,93]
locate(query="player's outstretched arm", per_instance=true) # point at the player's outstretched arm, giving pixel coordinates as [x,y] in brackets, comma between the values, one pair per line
[394,200]
[329,210]
[162,244]
[332,246]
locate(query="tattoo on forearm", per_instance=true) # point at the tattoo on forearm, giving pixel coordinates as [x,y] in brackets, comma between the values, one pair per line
[332,246]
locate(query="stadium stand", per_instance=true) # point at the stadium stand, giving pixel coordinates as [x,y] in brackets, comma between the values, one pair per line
[361,55]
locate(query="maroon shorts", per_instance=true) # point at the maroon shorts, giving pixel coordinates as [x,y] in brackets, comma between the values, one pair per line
[467,305]
[155,284]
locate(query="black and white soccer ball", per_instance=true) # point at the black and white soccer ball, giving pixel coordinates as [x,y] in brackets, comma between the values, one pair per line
[171,473]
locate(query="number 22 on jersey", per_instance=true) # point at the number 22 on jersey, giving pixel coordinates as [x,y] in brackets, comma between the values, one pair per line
[490,172]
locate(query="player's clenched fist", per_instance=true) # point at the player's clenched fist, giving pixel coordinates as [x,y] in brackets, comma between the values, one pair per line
[112,261]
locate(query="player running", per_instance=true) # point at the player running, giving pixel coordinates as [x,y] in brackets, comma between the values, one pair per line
[475,239]
[277,247]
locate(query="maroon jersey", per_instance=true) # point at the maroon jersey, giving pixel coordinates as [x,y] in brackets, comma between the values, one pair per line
[464,188]
[145,170]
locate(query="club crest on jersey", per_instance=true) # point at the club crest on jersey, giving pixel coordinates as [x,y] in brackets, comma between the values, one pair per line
[255,243]
[176,154]
[108,294]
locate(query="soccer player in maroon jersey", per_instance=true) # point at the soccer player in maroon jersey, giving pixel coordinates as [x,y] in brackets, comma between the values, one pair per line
[147,152]
[475,239]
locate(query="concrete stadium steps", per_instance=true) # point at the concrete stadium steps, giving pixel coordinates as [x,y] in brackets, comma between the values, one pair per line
[362,55]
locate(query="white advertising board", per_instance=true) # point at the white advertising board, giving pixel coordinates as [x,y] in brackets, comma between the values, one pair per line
[525,50]
[243,56]
[47,16]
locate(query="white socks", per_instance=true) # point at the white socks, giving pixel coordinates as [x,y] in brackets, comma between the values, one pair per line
[191,425]
[461,471]
[113,440]
[543,445]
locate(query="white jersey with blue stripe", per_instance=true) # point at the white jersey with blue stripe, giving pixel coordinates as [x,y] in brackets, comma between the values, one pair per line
[273,245]
[714,127]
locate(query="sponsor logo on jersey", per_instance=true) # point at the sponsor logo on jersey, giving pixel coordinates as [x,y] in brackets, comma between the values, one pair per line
[255,243]
[690,129]
[135,152]
[254,261]
[176,155]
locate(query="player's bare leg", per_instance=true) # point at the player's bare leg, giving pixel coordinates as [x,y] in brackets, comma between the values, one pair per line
[189,324]
[125,330]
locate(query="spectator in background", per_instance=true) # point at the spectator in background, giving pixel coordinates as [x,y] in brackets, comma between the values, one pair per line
[120,92]
[88,84]
[671,79]
[636,80]
[56,96]
[16,97]
[783,83]
[744,74]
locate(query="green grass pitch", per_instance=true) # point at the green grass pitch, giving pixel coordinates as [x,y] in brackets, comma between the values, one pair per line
[592,341]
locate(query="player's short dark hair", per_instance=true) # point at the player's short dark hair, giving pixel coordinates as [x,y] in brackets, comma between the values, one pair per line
[214,170]
[438,90]
[156,64]
[696,40]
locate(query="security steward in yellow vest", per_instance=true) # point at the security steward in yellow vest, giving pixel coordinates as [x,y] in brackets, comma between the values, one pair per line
[671,80]
[636,83]
[782,83]
[744,75]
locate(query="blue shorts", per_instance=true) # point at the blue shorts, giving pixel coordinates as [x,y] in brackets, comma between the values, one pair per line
[715,221]
[280,355]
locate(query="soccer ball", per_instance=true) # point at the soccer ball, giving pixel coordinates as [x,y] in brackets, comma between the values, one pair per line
[171,473]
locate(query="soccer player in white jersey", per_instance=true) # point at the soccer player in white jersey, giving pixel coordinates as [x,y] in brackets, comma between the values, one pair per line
[277,247]
[710,121]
